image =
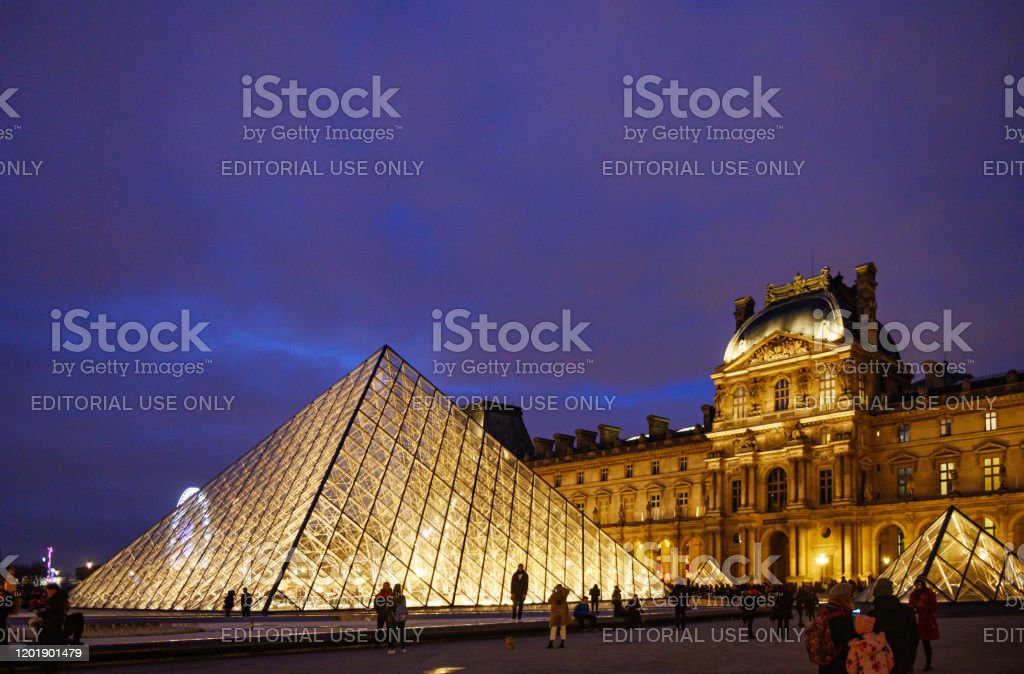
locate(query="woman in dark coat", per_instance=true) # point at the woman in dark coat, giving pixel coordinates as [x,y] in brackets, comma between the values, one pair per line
[925,604]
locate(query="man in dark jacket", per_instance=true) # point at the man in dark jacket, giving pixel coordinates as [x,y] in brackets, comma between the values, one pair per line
[52,615]
[839,610]
[520,584]
[899,624]
[678,598]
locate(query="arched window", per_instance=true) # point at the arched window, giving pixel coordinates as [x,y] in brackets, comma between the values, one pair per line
[827,390]
[776,490]
[739,402]
[782,395]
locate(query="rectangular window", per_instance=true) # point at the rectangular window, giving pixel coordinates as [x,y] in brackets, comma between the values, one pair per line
[904,477]
[654,506]
[682,503]
[737,490]
[579,477]
[682,463]
[825,486]
[945,427]
[558,480]
[628,504]
[947,473]
[581,505]
[629,470]
[991,422]
[602,511]
[604,474]
[655,467]
[991,467]
[903,433]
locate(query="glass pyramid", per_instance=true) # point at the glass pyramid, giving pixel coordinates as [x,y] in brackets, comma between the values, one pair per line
[960,560]
[380,478]
[708,573]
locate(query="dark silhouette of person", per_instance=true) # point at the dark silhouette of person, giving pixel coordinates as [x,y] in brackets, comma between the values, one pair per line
[520,585]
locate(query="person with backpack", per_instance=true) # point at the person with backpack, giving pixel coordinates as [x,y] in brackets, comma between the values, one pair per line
[925,604]
[869,652]
[897,621]
[828,636]
[397,614]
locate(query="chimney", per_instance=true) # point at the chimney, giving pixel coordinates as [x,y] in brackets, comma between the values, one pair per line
[563,444]
[709,415]
[744,310]
[585,440]
[656,426]
[542,448]
[865,286]
[931,381]
[609,434]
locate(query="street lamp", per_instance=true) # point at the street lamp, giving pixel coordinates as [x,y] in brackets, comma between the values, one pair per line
[885,561]
[88,565]
[822,560]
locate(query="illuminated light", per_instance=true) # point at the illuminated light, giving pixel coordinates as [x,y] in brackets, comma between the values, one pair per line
[821,559]
[187,494]
[88,565]
[885,560]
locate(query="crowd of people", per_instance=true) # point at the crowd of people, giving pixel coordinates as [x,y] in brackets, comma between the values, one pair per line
[844,640]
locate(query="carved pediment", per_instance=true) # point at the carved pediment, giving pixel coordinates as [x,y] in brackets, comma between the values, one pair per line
[944,454]
[778,347]
[990,446]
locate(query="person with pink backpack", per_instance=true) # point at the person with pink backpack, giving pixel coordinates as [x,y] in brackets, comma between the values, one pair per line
[869,652]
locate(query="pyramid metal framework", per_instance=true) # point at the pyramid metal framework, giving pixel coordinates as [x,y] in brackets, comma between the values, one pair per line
[960,560]
[708,573]
[380,478]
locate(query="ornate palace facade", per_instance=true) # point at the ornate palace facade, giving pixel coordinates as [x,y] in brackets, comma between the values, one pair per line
[822,446]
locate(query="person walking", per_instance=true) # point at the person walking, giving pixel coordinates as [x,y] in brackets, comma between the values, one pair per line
[381,605]
[748,609]
[595,598]
[398,613]
[246,602]
[520,585]
[925,604]
[229,603]
[899,624]
[559,614]
[678,598]
[782,612]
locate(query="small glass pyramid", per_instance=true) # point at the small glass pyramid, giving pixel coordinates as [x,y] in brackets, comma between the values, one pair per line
[960,560]
[380,478]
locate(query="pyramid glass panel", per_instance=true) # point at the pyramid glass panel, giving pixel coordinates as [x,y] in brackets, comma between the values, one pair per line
[960,560]
[380,478]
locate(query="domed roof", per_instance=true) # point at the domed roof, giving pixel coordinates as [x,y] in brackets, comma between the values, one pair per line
[816,316]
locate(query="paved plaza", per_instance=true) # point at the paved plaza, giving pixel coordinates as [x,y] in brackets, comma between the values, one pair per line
[969,644]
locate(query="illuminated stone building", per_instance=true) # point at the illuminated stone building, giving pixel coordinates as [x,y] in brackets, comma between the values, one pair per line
[821,445]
